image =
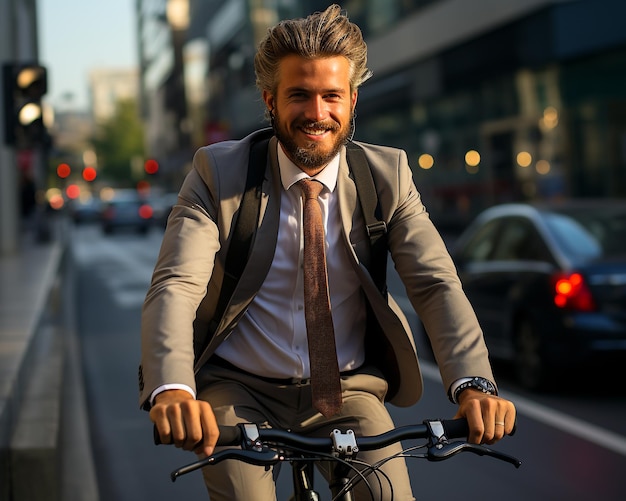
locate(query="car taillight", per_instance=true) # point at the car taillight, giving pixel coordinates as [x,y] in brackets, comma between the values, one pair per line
[571,292]
[145,211]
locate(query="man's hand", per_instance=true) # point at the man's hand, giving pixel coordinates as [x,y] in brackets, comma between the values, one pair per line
[187,423]
[489,417]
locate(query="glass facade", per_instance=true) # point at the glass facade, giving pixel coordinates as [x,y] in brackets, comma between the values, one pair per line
[503,118]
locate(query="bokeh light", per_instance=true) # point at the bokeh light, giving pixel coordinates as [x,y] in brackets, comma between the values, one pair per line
[426,161]
[63,170]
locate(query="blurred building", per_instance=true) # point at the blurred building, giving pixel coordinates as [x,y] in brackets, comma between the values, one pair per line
[72,131]
[108,86]
[494,100]
[503,100]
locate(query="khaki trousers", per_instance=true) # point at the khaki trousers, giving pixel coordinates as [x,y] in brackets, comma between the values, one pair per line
[236,397]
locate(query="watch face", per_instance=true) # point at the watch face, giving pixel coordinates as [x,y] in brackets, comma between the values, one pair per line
[485,384]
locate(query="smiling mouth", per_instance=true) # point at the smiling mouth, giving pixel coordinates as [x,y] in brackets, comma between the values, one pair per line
[317,128]
[314,131]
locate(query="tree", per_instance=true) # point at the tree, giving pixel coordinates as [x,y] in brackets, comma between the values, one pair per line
[118,140]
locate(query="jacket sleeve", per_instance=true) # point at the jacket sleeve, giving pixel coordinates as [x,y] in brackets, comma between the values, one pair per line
[433,286]
[179,282]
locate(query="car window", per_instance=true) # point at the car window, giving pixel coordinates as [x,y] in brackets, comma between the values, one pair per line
[590,234]
[606,230]
[520,241]
[481,244]
[573,237]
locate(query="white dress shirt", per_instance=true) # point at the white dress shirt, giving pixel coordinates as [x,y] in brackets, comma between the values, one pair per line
[270,339]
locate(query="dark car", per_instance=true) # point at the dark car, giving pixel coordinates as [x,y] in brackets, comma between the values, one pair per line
[548,284]
[126,210]
[85,211]
[162,205]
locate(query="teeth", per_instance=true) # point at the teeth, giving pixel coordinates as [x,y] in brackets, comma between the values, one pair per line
[315,132]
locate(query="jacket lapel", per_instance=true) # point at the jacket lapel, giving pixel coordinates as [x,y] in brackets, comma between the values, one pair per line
[261,255]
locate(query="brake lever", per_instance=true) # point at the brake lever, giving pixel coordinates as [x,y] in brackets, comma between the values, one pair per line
[264,457]
[443,450]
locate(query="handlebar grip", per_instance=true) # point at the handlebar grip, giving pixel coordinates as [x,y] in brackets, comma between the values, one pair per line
[456,428]
[229,435]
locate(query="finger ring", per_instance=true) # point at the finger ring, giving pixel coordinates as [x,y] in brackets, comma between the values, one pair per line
[499,423]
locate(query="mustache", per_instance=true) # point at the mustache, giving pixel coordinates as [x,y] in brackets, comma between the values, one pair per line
[324,125]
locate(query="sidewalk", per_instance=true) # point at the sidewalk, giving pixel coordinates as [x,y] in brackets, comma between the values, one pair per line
[45,448]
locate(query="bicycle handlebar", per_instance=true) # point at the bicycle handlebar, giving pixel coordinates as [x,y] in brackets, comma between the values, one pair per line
[235,435]
[263,446]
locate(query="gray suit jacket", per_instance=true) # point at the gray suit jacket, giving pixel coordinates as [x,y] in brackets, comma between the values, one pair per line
[190,268]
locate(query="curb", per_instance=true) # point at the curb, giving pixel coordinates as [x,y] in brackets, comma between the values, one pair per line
[45,445]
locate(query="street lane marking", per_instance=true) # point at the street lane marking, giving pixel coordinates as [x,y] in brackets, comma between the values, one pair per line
[125,266]
[559,420]
[577,427]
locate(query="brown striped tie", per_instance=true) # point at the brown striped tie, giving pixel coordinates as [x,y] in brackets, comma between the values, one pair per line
[325,382]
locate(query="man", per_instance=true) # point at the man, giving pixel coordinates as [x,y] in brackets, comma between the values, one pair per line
[255,365]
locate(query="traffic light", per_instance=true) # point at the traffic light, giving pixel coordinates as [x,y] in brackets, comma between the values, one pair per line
[24,86]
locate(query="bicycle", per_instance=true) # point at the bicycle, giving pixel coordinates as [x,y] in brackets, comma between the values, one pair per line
[268,447]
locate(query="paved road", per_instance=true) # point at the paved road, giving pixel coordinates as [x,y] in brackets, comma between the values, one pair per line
[113,275]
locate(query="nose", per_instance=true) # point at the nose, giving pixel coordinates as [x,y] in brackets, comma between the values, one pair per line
[316,109]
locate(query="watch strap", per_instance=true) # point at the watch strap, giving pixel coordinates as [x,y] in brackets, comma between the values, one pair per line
[477,383]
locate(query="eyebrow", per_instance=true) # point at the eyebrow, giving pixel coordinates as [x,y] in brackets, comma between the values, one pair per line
[304,89]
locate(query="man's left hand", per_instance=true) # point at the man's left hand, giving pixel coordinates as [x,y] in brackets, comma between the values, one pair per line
[489,417]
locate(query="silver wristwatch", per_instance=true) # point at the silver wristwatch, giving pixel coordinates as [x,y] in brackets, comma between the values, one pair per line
[477,383]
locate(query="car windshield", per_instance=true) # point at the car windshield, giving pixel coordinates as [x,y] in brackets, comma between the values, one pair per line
[590,233]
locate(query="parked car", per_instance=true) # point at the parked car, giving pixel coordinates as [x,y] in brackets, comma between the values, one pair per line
[548,283]
[126,210]
[162,205]
[85,211]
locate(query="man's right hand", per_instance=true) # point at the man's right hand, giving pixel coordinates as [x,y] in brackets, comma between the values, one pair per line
[184,421]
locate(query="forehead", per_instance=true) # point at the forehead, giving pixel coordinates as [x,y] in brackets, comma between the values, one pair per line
[296,70]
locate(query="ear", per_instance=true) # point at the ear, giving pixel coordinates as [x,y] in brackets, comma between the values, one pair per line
[354,99]
[269,100]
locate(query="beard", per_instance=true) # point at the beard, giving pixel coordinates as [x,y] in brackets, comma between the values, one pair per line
[311,155]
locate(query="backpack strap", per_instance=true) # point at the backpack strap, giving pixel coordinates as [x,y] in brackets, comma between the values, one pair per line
[244,229]
[370,205]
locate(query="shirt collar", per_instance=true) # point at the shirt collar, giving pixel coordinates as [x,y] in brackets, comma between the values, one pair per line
[290,173]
